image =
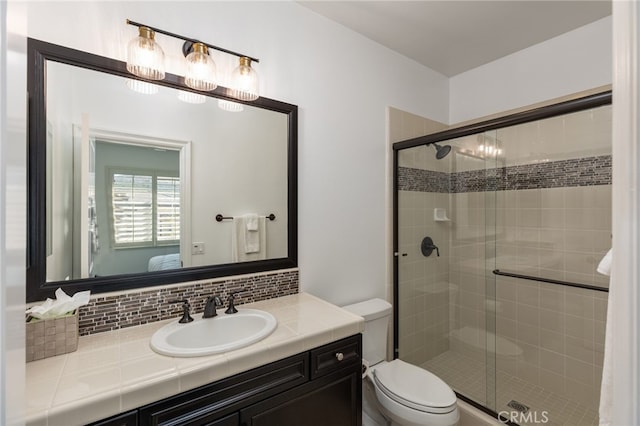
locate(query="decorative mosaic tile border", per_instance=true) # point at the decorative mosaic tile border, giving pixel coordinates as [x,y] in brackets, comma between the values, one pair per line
[587,171]
[141,307]
[423,180]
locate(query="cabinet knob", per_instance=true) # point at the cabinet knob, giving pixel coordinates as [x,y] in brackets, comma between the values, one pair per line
[339,356]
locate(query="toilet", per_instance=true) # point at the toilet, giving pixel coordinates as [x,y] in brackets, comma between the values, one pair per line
[405,395]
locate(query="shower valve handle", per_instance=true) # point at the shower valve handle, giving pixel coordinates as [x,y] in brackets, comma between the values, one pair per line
[427,247]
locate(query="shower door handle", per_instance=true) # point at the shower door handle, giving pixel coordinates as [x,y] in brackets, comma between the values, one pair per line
[396,254]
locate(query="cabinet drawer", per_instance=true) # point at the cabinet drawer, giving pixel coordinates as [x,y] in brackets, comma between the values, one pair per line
[213,402]
[334,356]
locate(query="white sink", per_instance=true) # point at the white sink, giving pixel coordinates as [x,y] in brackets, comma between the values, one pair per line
[206,336]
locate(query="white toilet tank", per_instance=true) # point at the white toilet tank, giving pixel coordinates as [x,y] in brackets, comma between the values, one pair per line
[376,314]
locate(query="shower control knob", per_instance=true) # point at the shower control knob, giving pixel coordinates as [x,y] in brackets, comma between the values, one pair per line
[427,247]
[339,356]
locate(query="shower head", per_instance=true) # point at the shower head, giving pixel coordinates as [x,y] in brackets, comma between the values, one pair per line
[441,151]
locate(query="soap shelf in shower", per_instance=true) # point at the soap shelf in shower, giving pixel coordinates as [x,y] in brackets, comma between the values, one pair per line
[440,215]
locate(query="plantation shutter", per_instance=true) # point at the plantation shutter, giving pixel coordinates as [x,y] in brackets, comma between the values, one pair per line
[168,211]
[132,197]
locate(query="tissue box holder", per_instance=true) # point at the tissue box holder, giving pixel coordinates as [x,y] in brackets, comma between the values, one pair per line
[51,337]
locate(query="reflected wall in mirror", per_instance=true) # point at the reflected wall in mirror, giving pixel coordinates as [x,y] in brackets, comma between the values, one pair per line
[134,180]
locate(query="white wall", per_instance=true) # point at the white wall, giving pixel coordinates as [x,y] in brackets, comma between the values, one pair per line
[573,62]
[342,83]
[621,378]
[13,122]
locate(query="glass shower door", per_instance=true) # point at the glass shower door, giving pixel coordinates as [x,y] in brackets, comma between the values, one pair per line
[447,200]
[423,253]
[510,310]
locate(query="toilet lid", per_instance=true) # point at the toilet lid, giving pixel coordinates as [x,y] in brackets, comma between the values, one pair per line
[414,387]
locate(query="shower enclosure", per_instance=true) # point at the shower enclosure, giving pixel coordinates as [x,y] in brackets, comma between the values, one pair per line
[499,229]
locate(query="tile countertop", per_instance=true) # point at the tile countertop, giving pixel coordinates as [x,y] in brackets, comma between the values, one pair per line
[117,371]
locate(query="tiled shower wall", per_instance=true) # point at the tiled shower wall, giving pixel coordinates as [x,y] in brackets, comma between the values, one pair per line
[540,207]
[424,288]
[561,333]
[424,299]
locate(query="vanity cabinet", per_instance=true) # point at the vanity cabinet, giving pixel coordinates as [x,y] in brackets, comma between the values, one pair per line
[319,387]
[332,400]
[129,418]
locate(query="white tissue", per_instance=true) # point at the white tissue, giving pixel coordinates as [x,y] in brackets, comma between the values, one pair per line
[61,306]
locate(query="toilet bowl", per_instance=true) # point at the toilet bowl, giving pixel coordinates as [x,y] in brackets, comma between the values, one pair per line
[405,395]
[411,396]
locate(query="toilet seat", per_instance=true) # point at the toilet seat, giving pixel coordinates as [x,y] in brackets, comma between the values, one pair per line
[414,387]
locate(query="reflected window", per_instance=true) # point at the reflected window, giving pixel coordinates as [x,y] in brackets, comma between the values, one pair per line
[145,209]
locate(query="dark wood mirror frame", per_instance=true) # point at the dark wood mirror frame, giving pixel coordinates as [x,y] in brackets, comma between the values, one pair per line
[38,54]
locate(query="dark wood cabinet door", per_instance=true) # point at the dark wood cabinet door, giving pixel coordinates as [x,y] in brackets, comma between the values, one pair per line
[230,420]
[333,400]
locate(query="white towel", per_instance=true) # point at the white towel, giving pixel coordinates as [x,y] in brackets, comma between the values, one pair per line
[251,235]
[605,264]
[248,245]
[252,221]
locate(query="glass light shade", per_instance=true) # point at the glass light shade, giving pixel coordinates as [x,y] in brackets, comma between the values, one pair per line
[191,98]
[201,70]
[145,57]
[244,81]
[229,106]
[142,87]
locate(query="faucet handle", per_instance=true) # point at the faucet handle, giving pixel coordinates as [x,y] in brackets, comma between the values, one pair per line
[186,317]
[231,309]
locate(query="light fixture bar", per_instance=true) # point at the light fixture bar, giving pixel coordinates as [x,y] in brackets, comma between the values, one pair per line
[211,46]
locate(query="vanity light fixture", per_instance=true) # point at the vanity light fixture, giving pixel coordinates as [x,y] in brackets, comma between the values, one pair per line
[201,70]
[244,81]
[145,57]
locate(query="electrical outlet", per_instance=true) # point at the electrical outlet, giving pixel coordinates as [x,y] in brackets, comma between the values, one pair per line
[197,248]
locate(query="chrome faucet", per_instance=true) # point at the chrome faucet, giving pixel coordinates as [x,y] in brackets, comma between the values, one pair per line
[210,306]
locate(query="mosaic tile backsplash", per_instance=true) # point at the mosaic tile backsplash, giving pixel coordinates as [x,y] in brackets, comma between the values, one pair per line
[141,307]
[587,171]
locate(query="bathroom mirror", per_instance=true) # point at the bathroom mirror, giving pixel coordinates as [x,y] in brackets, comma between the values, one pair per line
[135,184]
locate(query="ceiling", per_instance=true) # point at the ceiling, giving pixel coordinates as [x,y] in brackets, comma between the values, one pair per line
[455,36]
